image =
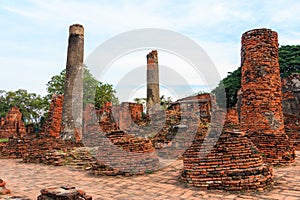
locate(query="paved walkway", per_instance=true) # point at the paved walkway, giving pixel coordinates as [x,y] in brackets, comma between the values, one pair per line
[28,179]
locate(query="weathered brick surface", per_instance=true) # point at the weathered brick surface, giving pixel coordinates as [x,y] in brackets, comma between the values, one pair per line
[200,104]
[261,107]
[153,97]
[35,149]
[291,108]
[73,91]
[12,125]
[122,154]
[232,119]
[64,192]
[52,124]
[118,153]
[233,163]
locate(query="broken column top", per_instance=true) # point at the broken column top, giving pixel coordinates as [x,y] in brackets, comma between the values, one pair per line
[76,29]
[268,34]
[152,56]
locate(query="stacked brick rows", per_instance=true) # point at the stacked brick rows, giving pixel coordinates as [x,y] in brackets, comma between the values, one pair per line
[12,125]
[261,109]
[36,149]
[118,153]
[52,125]
[232,119]
[233,163]
[122,154]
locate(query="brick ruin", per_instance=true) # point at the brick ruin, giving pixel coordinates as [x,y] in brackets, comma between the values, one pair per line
[233,163]
[291,107]
[203,105]
[261,108]
[233,160]
[52,125]
[12,125]
[36,148]
[118,153]
[153,98]
[73,91]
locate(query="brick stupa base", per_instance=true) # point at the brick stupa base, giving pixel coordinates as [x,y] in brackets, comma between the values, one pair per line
[275,148]
[119,153]
[233,164]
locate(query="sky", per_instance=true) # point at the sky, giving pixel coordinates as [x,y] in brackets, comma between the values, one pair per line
[34,35]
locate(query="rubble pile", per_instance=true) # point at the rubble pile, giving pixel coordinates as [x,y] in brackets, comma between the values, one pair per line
[64,192]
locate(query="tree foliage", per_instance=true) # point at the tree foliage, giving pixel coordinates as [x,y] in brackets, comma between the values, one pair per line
[31,105]
[94,91]
[289,60]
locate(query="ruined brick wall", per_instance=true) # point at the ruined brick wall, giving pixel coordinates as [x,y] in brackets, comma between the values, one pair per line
[291,108]
[52,124]
[129,113]
[232,119]
[261,107]
[123,154]
[12,125]
[291,95]
[203,104]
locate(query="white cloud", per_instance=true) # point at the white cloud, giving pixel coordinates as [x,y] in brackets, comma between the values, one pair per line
[36,31]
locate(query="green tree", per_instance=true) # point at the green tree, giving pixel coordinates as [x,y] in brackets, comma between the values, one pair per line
[165,102]
[31,105]
[289,60]
[94,91]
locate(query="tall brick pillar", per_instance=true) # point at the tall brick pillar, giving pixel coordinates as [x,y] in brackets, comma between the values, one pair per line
[261,108]
[73,93]
[153,98]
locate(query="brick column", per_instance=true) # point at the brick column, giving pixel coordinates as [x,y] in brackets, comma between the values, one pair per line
[72,105]
[261,108]
[153,98]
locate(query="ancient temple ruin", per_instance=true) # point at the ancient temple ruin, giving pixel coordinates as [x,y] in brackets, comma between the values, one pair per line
[261,106]
[12,125]
[52,125]
[73,92]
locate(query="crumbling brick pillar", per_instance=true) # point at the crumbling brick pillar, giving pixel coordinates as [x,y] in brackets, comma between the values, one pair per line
[73,93]
[153,98]
[261,108]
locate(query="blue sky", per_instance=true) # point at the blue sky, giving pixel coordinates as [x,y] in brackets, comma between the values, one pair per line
[34,33]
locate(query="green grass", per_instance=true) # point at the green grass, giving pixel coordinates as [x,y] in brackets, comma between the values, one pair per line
[3,140]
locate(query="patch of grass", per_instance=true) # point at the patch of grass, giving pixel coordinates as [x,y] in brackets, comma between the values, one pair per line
[3,140]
